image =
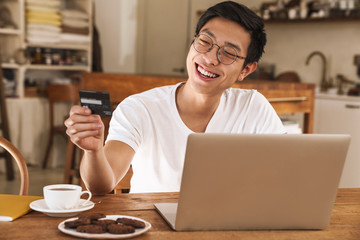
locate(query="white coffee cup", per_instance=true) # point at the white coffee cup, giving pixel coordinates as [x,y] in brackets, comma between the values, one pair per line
[64,196]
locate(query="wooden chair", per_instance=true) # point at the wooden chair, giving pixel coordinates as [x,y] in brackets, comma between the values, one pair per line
[4,127]
[119,87]
[58,93]
[71,165]
[24,174]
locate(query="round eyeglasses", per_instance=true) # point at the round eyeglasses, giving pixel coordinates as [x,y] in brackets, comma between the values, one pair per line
[225,54]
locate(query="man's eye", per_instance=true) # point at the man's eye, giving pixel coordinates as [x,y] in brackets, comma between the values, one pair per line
[230,53]
[204,42]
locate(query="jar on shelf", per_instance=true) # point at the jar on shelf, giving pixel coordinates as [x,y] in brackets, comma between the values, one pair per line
[56,58]
[47,56]
[68,58]
[38,57]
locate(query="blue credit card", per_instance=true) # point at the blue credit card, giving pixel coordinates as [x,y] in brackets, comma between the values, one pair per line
[98,102]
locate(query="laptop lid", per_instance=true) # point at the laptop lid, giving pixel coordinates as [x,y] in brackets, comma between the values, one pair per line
[270,181]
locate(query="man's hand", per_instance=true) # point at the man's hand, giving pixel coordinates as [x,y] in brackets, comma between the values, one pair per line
[85,129]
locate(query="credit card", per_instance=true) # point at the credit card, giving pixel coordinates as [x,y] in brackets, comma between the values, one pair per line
[98,102]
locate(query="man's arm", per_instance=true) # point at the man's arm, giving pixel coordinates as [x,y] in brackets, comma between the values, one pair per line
[102,170]
[102,167]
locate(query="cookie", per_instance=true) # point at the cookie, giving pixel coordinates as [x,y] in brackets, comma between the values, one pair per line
[92,216]
[120,229]
[91,228]
[77,222]
[103,222]
[132,222]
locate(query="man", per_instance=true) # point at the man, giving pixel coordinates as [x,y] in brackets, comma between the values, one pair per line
[150,130]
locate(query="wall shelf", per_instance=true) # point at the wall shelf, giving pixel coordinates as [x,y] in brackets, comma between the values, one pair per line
[10,31]
[313,20]
[15,41]
[10,66]
[69,46]
[56,67]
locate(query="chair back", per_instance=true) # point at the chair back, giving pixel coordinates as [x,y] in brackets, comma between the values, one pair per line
[24,174]
[61,93]
[119,87]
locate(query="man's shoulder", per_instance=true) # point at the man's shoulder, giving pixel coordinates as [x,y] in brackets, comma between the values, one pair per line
[167,89]
[240,91]
[154,94]
[241,94]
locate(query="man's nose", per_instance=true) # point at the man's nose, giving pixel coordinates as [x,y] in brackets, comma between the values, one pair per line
[211,56]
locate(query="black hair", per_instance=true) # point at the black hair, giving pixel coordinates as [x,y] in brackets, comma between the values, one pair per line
[246,18]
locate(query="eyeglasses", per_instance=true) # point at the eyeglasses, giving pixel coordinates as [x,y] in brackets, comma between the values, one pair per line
[225,54]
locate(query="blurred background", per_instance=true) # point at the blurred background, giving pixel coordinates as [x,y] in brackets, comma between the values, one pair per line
[53,42]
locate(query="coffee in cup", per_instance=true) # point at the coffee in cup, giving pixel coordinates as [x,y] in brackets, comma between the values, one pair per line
[64,196]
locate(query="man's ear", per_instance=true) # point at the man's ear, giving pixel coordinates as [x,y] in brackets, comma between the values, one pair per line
[248,69]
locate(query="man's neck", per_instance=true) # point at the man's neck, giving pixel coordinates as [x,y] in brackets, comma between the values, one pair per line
[196,110]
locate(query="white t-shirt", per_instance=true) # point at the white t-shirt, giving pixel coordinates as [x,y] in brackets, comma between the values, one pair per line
[150,123]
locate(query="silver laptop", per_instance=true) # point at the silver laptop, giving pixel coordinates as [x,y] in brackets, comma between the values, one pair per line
[239,182]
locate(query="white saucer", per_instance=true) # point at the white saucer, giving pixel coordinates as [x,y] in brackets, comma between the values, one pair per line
[40,206]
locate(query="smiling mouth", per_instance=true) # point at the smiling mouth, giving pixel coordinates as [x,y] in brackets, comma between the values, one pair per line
[205,73]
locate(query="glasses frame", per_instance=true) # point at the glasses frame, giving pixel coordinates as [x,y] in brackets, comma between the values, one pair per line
[196,38]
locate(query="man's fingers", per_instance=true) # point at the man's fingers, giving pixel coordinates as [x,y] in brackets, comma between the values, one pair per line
[77,109]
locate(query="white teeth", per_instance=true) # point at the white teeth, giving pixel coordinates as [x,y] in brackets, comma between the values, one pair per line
[206,73]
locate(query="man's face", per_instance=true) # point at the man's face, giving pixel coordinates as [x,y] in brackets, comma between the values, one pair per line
[206,74]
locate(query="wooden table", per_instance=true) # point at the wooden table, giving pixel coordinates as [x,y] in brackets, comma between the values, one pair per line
[344,224]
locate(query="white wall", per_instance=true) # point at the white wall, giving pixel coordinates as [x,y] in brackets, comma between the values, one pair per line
[288,44]
[116,23]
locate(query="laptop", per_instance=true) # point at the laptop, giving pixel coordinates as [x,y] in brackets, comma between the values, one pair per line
[257,181]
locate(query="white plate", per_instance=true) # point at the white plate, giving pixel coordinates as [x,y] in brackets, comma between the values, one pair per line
[40,206]
[73,232]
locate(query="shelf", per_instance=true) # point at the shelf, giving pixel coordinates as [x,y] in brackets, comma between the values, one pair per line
[10,31]
[313,20]
[14,41]
[10,66]
[58,67]
[71,46]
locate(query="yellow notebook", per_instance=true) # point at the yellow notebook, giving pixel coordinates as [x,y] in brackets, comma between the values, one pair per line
[14,206]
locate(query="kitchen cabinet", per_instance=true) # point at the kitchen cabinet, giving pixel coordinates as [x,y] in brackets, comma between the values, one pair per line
[313,20]
[15,47]
[341,115]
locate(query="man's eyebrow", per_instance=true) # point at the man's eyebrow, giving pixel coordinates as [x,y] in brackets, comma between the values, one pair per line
[233,45]
[208,32]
